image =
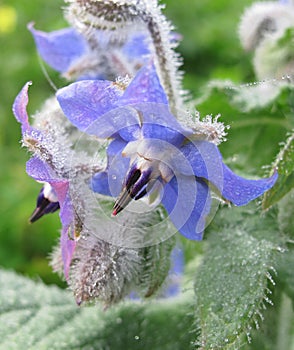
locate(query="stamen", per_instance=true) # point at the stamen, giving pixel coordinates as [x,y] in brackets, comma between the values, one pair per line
[39,211]
[133,178]
[44,205]
[135,188]
[45,208]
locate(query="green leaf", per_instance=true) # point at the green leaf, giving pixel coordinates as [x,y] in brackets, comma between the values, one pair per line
[285,165]
[35,317]
[231,285]
[277,330]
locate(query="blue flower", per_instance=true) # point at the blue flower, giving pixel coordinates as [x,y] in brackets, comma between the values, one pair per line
[70,53]
[55,192]
[151,154]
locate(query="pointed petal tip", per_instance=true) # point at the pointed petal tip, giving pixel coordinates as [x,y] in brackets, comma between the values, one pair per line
[240,191]
[19,107]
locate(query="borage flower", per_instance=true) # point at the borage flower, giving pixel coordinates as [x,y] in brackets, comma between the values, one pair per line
[55,193]
[151,153]
[93,56]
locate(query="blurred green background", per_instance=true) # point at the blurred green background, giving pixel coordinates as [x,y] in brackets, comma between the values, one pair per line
[210,48]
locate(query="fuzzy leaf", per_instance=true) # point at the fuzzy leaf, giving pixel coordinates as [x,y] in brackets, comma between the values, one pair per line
[285,165]
[34,316]
[276,332]
[231,285]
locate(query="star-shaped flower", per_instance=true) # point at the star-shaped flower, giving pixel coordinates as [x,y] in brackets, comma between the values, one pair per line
[151,152]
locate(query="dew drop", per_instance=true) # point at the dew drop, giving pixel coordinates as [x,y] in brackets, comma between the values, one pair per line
[137,337]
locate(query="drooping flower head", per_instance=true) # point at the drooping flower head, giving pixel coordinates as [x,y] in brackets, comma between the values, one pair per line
[42,168]
[152,152]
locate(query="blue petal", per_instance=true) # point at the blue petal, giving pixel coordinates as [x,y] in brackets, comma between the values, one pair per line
[153,120]
[159,123]
[40,171]
[240,191]
[84,102]
[102,109]
[110,182]
[59,48]
[99,183]
[187,202]
[145,87]
[114,149]
[206,162]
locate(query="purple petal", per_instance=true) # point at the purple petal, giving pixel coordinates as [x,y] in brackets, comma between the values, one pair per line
[59,48]
[240,191]
[67,245]
[187,202]
[145,87]
[19,108]
[40,171]
[67,250]
[85,102]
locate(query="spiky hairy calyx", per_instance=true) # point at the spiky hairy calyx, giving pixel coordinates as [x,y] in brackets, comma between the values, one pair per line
[101,271]
[123,17]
